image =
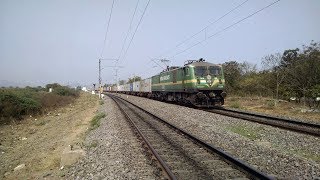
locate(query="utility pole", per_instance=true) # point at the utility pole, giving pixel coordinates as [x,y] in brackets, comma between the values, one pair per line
[116,75]
[117,81]
[99,78]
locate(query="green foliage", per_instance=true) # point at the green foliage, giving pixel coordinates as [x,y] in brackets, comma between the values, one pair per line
[13,104]
[53,85]
[294,73]
[95,122]
[121,82]
[134,79]
[232,75]
[65,91]
[245,131]
[18,102]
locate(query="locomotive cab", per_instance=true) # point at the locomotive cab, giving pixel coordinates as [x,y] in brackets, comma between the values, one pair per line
[208,83]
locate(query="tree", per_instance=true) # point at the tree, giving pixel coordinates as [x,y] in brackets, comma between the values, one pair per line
[289,57]
[232,75]
[303,70]
[134,79]
[247,68]
[54,85]
[122,82]
[272,64]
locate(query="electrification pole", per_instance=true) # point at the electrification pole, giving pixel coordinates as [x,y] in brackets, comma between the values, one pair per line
[99,78]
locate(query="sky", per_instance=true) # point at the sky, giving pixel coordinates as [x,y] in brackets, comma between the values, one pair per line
[46,41]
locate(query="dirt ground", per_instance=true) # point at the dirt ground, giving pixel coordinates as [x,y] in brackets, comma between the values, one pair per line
[268,106]
[38,142]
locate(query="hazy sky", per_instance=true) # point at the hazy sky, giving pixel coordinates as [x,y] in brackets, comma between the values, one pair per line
[44,41]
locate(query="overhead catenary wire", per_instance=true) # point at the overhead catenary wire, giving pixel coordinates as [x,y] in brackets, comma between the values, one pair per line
[127,35]
[107,30]
[126,51]
[210,24]
[226,28]
[125,40]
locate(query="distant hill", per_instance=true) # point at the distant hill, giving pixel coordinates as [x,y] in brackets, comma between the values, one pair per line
[5,83]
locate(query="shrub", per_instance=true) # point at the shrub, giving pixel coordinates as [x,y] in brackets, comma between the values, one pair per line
[15,105]
[95,122]
[235,105]
[51,100]
[270,104]
[65,91]
[17,102]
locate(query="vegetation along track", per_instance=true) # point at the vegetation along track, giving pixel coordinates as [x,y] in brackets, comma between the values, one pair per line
[298,126]
[181,155]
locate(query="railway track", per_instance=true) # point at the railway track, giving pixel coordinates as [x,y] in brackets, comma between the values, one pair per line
[180,154]
[297,126]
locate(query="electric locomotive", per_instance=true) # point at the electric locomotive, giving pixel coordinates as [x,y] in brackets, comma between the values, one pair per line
[198,83]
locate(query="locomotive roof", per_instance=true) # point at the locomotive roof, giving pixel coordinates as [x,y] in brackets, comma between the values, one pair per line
[201,64]
[197,63]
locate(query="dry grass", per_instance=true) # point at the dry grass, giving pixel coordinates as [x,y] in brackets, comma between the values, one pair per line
[39,143]
[269,106]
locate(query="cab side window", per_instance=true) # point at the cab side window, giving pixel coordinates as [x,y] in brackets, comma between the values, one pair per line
[186,71]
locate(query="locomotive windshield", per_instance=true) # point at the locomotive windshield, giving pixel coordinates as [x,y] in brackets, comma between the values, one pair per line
[200,70]
[215,70]
[205,70]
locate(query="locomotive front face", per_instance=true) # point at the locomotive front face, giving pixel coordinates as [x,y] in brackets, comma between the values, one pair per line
[209,77]
[209,84]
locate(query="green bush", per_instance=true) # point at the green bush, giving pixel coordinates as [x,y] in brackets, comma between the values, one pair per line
[14,105]
[95,122]
[65,91]
[18,102]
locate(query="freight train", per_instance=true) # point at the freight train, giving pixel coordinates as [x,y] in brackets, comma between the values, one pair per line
[197,83]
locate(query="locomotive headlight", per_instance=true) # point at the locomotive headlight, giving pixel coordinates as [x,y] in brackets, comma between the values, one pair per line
[212,94]
[209,79]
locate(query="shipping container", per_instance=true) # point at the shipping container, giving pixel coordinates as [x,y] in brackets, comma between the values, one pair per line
[136,86]
[145,85]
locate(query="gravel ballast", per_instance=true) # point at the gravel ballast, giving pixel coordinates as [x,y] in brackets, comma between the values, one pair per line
[113,151]
[277,152]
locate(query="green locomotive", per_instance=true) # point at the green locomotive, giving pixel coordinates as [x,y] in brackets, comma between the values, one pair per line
[198,83]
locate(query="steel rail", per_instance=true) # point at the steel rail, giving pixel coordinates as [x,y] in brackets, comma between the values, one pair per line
[298,126]
[239,163]
[163,165]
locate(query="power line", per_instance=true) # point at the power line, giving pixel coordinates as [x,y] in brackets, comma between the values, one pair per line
[124,55]
[106,34]
[226,28]
[124,42]
[215,21]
